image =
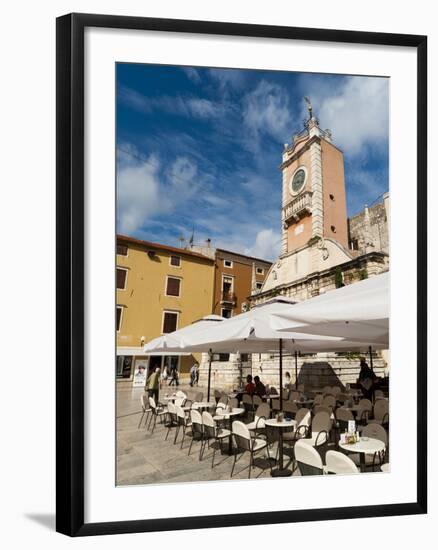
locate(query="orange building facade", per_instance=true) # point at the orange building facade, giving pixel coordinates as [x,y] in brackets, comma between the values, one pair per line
[236,277]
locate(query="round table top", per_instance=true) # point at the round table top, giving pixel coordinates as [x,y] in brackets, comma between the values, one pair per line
[227,414]
[385,467]
[367,445]
[276,424]
[170,397]
[203,404]
[354,408]
[271,396]
[303,401]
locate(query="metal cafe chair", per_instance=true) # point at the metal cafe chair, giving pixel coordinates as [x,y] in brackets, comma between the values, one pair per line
[197,429]
[199,397]
[184,422]
[212,431]
[247,444]
[339,463]
[157,412]
[146,410]
[262,412]
[319,431]
[380,411]
[308,459]
[172,419]
[248,404]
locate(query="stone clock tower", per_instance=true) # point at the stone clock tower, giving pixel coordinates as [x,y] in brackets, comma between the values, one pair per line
[313,197]
[313,215]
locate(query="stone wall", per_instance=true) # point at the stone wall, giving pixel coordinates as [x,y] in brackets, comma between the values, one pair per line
[317,283]
[368,230]
[313,370]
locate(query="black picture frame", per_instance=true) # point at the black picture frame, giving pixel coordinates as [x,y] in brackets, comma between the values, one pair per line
[70,272]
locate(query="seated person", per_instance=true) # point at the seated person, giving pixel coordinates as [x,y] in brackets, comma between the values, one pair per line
[260,388]
[250,386]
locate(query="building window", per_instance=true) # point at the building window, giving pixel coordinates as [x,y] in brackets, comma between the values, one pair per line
[119,314]
[227,284]
[124,363]
[259,286]
[170,321]
[244,357]
[226,312]
[260,271]
[122,275]
[228,263]
[122,249]
[175,261]
[173,286]
[354,244]
[222,357]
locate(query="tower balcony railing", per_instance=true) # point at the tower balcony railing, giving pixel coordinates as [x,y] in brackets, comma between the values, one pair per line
[228,297]
[297,208]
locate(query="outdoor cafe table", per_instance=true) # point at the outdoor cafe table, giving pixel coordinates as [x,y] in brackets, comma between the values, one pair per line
[203,405]
[281,471]
[303,402]
[271,396]
[172,397]
[365,446]
[228,415]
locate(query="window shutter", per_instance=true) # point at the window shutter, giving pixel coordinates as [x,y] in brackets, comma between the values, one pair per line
[173,286]
[121,278]
[122,249]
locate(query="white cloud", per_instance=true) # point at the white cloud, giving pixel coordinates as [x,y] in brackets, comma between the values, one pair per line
[138,194]
[266,110]
[266,246]
[204,108]
[190,106]
[356,112]
[143,193]
[182,176]
[232,78]
[192,74]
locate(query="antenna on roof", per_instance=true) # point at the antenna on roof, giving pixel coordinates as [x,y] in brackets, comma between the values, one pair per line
[192,237]
[182,240]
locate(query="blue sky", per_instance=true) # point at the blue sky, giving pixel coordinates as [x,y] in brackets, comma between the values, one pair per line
[200,148]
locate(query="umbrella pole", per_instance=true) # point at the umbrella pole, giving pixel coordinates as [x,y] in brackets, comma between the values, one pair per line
[296,370]
[209,375]
[281,374]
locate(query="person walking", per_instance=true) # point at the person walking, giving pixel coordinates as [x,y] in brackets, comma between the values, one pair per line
[153,384]
[173,376]
[194,374]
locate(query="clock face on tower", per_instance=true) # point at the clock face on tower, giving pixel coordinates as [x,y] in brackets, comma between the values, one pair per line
[298,180]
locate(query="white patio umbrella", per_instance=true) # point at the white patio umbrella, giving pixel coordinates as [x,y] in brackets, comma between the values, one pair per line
[251,332]
[175,342]
[358,312]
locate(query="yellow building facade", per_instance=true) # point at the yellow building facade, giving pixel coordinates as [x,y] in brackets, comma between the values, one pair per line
[159,289]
